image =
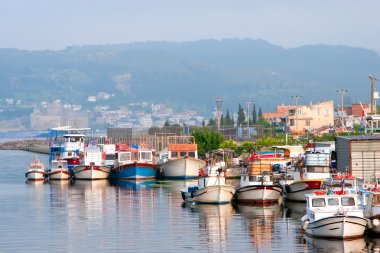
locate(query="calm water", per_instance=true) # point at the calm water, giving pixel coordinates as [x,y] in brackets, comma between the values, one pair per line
[149,217]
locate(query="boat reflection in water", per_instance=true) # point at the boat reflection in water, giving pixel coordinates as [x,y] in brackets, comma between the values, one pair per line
[295,209]
[134,184]
[260,224]
[175,186]
[213,224]
[33,183]
[335,245]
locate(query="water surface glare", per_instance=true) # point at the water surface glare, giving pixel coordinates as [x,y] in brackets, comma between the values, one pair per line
[103,216]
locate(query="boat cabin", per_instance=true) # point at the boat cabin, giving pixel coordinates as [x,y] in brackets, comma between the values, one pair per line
[59,164]
[176,151]
[320,205]
[133,155]
[372,207]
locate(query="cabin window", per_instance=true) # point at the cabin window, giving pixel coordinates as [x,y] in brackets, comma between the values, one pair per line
[125,157]
[318,202]
[183,154]
[110,157]
[333,202]
[191,154]
[174,154]
[348,201]
[146,156]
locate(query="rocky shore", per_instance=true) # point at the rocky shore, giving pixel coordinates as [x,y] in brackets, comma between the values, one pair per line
[33,145]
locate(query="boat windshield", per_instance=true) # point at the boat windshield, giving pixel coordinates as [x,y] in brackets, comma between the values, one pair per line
[333,201]
[126,156]
[348,201]
[320,202]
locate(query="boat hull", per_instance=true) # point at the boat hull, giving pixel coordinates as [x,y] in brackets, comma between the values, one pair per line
[216,194]
[135,171]
[296,191]
[59,175]
[258,194]
[35,175]
[182,168]
[339,226]
[91,172]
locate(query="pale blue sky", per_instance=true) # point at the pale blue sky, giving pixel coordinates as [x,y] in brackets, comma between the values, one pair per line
[53,24]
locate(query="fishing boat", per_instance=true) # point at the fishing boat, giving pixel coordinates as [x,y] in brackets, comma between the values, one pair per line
[333,215]
[372,207]
[93,165]
[36,170]
[182,161]
[134,163]
[309,178]
[258,190]
[58,170]
[211,189]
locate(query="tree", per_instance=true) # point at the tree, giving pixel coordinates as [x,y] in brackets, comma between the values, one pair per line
[254,115]
[241,116]
[229,121]
[203,123]
[211,122]
[207,140]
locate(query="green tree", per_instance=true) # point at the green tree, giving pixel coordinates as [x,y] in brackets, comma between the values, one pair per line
[207,140]
[229,144]
[241,116]
[254,115]
[211,122]
[246,146]
[229,121]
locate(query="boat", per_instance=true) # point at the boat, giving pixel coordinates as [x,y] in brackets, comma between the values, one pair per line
[333,215]
[58,170]
[134,163]
[228,160]
[93,165]
[109,150]
[66,148]
[36,170]
[372,208]
[182,160]
[309,178]
[258,186]
[211,189]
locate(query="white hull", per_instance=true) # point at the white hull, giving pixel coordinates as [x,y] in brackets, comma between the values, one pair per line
[218,194]
[258,194]
[296,191]
[35,175]
[91,172]
[336,227]
[59,175]
[182,168]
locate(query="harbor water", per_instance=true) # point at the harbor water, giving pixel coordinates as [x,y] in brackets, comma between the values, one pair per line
[100,216]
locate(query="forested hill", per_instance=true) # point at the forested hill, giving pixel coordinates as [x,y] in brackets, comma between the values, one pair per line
[190,74]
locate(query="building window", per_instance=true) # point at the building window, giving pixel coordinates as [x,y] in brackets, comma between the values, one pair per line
[326,112]
[299,112]
[307,123]
[292,112]
[291,122]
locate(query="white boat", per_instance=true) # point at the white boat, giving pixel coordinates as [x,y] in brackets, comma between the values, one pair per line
[335,245]
[36,170]
[372,211]
[182,161]
[310,178]
[333,216]
[211,189]
[93,165]
[58,170]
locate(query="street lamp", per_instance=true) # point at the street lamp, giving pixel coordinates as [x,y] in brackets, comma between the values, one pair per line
[341,91]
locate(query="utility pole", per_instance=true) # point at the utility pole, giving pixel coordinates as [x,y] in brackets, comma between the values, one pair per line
[372,78]
[218,102]
[342,91]
[296,111]
[248,102]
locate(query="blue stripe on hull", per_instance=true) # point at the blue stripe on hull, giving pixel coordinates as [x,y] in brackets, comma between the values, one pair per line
[136,173]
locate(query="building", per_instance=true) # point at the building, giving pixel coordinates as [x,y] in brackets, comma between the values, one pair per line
[359,155]
[317,118]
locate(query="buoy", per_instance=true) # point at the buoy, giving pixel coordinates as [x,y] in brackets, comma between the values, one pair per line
[375,222]
[320,192]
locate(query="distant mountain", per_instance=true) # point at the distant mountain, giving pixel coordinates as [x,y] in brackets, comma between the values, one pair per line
[189,75]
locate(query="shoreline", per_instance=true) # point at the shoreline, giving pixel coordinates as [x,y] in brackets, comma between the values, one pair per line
[32,145]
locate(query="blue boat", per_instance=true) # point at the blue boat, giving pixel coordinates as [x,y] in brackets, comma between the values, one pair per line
[134,164]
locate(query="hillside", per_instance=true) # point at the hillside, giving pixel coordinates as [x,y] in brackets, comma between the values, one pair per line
[190,74]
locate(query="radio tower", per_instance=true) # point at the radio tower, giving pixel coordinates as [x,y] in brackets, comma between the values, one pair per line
[218,102]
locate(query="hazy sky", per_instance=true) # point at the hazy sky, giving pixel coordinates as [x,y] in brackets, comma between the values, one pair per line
[53,24]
